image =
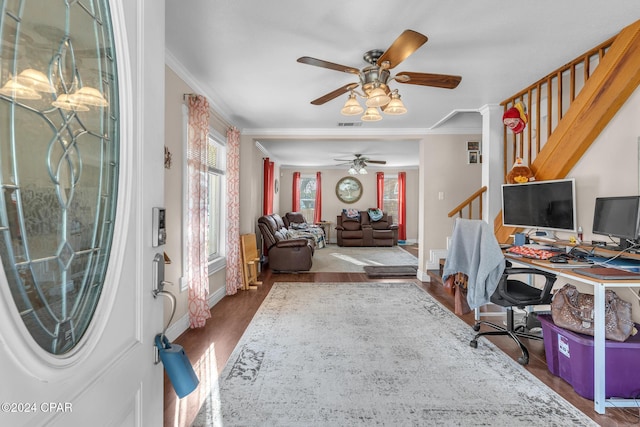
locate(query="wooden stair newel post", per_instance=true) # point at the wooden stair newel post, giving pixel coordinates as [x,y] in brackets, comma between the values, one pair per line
[250,261]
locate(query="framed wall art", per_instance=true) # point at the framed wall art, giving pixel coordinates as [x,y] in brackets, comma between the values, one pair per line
[349,190]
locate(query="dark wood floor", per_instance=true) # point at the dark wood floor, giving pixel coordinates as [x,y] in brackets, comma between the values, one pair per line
[209,348]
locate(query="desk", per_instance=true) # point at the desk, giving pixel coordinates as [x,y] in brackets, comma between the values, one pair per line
[599,287]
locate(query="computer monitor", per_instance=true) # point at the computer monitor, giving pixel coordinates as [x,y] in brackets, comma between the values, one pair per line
[618,217]
[544,205]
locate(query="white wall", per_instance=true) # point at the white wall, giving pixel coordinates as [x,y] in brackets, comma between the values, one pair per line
[610,168]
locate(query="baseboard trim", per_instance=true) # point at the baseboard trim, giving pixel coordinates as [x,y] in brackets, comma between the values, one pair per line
[182,324]
[435,255]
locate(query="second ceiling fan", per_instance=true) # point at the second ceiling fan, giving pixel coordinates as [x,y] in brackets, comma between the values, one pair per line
[358,164]
[374,78]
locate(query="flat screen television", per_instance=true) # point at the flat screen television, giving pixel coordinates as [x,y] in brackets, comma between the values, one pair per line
[544,205]
[618,217]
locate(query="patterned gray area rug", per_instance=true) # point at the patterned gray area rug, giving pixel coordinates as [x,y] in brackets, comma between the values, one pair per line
[372,354]
[337,259]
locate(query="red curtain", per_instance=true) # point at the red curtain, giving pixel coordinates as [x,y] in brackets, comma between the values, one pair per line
[267,198]
[380,189]
[402,206]
[295,191]
[317,213]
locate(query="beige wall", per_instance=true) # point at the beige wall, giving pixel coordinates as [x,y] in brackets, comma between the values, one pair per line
[444,170]
[332,206]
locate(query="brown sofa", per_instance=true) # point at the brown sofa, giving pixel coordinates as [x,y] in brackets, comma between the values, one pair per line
[284,254]
[365,232]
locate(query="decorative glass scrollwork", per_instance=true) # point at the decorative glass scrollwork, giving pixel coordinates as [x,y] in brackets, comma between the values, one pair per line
[59,158]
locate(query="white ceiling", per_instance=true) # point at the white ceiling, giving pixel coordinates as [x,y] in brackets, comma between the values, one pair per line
[242,56]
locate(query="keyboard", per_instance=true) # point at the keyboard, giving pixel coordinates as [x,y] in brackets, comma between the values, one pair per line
[528,251]
[608,273]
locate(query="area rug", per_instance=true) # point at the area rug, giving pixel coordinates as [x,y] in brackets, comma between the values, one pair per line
[384,271]
[372,354]
[338,259]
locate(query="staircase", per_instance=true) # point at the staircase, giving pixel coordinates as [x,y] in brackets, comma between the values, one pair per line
[567,111]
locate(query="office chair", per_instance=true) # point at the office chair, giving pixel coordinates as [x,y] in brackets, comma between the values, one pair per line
[512,293]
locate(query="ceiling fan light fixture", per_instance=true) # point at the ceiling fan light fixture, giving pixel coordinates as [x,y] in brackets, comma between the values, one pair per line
[377,97]
[36,80]
[363,171]
[67,102]
[15,90]
[352,107]
[371,115]
[395,107]
[352,171]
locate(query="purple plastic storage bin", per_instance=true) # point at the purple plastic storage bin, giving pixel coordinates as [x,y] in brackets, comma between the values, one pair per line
[570,357]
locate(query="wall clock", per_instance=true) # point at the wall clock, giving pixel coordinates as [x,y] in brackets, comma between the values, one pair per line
[349,190]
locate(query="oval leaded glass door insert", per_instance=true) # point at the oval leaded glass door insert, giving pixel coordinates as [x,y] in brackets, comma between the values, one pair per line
[58,162]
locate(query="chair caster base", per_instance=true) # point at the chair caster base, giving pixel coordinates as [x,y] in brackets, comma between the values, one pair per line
[523,360]
[474,343]
[476,327]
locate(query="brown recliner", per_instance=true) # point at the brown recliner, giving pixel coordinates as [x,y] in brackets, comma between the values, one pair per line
[284,254]
[365,232]
[293,218]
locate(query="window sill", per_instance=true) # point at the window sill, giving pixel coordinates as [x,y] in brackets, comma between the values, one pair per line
[216,265]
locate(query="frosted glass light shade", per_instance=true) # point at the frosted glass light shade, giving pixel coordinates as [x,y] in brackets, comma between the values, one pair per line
[15,90]
[36,80]
[90,96]
[352,107]
[67,102]
[377,98]
[395,107]
[371,115]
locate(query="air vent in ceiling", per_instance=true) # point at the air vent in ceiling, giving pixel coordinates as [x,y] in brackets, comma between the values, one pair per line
[349,124]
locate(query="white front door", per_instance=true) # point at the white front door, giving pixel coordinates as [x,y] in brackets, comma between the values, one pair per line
[81,167]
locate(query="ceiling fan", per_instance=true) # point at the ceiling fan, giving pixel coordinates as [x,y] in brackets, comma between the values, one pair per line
[358,164]
[374,78]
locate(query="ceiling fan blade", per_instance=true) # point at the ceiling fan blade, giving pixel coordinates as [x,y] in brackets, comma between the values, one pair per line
[380,162]
[426,79]
[326,64]
[407,43]
[336,93]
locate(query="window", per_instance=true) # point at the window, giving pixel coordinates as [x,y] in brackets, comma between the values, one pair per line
[308,196]
[216,165]
[390,198]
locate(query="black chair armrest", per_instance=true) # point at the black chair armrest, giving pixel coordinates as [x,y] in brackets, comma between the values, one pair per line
[550,279]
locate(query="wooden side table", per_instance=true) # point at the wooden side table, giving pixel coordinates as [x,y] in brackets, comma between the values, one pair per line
[326,227]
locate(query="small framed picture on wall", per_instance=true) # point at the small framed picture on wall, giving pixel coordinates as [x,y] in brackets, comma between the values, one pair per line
[473,145]
[473,157]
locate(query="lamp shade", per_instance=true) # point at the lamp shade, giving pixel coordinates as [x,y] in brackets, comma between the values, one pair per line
[89,96]
[395,107]
[36,80]
[371,115]
[67,102]
[15,90]
[377,98]
[352,107]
